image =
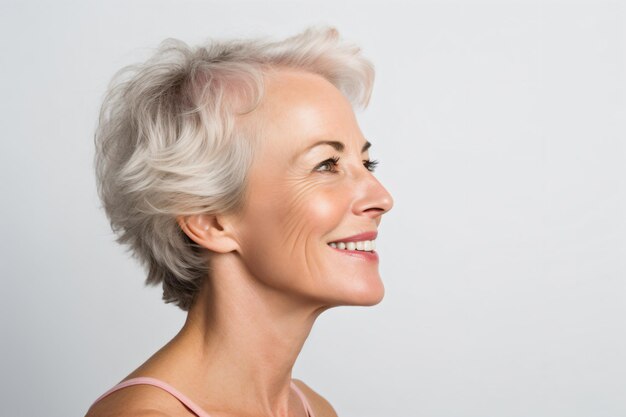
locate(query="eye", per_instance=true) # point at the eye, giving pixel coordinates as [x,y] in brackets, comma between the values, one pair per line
[331,163]
[370,165]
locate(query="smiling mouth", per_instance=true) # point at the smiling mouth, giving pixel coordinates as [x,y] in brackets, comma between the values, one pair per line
[361,245]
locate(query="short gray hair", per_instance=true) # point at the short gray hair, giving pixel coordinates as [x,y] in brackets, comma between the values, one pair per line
[167,144]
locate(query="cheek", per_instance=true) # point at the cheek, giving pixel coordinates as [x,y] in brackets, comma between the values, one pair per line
[324,210]
[284,235]
[311,212]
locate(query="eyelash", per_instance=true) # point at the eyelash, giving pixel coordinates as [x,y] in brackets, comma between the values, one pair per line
[369,164]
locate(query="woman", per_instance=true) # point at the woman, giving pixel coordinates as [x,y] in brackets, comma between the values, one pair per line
[239,177]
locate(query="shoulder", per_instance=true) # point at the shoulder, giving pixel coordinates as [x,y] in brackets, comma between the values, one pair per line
[136,413]
[321,406]
[128,413]
[138,401]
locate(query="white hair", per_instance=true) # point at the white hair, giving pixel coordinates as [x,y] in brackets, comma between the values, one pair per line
[167,144]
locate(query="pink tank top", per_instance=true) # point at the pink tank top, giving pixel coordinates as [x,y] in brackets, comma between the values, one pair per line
[183,398]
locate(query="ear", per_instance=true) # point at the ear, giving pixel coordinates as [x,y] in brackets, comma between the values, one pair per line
[209,231]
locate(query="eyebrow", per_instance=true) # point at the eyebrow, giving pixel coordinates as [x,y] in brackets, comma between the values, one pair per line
[339,146]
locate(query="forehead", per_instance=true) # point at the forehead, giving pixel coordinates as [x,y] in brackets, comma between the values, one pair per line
[299,108]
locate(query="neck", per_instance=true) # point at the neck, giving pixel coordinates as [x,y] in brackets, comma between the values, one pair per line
[241,340]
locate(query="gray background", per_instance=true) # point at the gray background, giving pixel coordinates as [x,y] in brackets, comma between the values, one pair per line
[500,127]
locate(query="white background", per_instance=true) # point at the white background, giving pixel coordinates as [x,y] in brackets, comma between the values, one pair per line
[500,127]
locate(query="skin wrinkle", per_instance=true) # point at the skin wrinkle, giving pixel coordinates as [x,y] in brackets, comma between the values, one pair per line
[296,226]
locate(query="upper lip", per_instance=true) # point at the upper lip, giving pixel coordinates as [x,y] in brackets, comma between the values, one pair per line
[359,237]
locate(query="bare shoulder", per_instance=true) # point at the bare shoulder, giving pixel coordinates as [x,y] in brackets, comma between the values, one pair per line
[138,401]
[321,406]
[137,413]
[129,413]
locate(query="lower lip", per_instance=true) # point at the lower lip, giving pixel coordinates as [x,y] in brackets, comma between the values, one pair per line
[368,256]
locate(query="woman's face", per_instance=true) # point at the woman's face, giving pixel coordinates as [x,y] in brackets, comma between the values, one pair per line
[298,200]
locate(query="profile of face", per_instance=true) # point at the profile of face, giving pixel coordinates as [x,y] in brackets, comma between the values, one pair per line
[299,199]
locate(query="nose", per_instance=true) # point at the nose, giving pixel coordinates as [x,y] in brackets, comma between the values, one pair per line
[373,200]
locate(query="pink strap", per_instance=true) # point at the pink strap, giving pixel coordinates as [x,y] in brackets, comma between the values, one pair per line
[307,407]
[160,384]
[183,398]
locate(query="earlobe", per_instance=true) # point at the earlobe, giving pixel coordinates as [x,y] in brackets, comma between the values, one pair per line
[207,231]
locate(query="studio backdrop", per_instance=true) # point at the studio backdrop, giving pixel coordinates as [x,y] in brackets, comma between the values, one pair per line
[500,129]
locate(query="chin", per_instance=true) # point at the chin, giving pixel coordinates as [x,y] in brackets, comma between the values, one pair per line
[367,295]
[374,299]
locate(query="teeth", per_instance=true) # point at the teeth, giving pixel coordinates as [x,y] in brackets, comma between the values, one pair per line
[363,245]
